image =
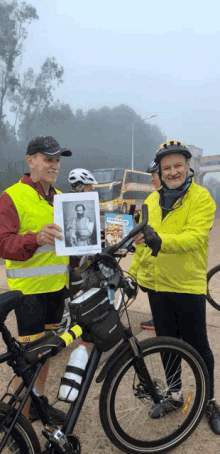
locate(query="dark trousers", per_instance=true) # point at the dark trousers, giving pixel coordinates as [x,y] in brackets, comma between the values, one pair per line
[183,316]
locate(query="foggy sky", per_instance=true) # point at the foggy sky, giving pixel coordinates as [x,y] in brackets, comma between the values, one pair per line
[160,58]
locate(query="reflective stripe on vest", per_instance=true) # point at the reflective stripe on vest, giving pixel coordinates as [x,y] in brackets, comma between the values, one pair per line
[45,248]
[36,271]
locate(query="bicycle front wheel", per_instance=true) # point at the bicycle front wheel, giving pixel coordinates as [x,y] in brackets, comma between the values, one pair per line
[127,411]
[23,439]
[213,287]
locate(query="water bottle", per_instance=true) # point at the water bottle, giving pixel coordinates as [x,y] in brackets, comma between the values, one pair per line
[70,383]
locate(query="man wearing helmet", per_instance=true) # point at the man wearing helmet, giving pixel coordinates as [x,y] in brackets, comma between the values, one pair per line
[154,170]
[81,180]
[172,268]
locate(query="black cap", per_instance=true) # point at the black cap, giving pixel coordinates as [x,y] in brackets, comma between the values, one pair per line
[48,146]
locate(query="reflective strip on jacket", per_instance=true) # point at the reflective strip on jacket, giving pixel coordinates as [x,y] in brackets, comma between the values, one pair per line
[181,264]
[44,272]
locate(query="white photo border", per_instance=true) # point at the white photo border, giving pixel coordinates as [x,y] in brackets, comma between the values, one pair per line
[78,198]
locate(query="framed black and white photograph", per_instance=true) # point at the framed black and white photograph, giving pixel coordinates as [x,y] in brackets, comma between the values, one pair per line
[78,215]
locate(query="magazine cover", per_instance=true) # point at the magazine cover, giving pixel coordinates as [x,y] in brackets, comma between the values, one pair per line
[117,226]
[79,217]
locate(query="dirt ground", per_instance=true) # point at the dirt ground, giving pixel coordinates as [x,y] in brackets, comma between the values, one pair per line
[89,428]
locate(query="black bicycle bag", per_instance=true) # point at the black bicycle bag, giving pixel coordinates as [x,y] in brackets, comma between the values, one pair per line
[100,321]
[107,330]
[89,305]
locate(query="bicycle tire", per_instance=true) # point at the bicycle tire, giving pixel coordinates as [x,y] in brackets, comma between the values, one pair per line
[125,416]
[23,439]
[213,287]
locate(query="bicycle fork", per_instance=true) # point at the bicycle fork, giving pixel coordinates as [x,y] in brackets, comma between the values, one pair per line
[140,367]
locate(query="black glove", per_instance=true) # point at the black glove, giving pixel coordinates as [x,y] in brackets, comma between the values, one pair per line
[152,239]
[131,288]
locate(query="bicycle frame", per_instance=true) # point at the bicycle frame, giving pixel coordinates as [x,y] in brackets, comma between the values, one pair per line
[76,406]
[16,359]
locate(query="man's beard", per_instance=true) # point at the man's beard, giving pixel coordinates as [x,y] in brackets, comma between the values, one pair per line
[80,215]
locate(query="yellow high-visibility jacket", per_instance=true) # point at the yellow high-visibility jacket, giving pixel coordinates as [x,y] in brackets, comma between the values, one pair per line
[44,272]
[181,263]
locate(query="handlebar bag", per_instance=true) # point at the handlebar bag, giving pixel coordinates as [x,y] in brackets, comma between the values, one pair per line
[90,305]
[100,321]
[107,330]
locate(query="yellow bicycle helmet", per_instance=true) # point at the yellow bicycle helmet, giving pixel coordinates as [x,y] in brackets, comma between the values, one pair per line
[172,146]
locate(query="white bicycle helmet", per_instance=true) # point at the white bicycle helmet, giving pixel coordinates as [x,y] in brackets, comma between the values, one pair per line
[83,176]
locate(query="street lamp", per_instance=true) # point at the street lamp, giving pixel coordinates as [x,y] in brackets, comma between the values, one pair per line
[132,140]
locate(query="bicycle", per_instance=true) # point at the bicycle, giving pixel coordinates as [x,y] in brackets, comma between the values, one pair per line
[213,287]
[119,294]
[138,376]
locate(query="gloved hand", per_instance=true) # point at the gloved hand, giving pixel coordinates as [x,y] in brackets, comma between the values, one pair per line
[152,239]
[131,289]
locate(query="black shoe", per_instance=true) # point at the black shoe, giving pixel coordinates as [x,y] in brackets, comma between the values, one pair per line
[213,413]
[148,325]
[57,416]
[167,405]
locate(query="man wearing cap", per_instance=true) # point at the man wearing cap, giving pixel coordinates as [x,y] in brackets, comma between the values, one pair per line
[172,268]
[27,234]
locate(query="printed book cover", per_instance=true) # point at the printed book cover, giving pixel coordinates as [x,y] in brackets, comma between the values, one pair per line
[117,226]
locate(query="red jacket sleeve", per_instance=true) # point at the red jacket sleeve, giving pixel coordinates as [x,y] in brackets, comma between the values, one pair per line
[12,245]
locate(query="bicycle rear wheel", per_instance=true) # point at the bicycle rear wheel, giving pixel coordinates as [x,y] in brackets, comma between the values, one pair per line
[213,287]
[23,439]
[126,405]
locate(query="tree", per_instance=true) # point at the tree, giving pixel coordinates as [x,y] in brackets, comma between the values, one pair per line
[35,94]
[56,119]
[14,20]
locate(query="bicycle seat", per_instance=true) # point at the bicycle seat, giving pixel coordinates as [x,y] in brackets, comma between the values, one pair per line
[8,302]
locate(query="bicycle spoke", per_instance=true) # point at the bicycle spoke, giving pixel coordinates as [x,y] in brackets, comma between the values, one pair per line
[128,413]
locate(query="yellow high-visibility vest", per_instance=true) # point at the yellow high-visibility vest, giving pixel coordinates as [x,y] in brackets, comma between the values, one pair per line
[44,272]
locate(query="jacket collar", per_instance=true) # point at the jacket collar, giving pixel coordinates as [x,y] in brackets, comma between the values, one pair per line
[26,179]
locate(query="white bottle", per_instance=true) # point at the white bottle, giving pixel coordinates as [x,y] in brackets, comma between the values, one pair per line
[78,358]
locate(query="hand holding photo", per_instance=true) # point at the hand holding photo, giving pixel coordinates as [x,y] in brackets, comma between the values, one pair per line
[78,216]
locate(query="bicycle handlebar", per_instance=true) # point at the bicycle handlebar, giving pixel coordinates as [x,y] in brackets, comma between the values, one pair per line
[112,249]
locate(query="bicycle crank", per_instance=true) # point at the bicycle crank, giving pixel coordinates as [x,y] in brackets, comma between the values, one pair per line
[74,446]
[74,443]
